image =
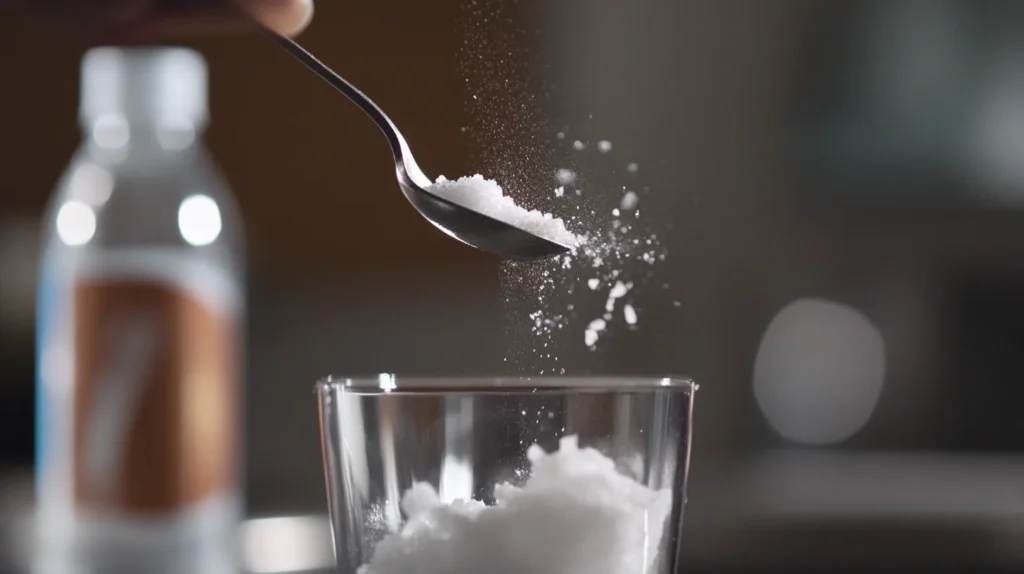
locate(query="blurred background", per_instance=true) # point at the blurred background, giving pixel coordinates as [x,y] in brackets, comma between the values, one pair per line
[841,186]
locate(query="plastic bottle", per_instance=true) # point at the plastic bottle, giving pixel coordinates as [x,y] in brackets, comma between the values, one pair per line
[140,312]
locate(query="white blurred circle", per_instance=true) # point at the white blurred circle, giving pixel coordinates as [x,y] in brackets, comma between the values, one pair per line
[199,220]
[819,371]
[111,132]
[76,223]
[91,183]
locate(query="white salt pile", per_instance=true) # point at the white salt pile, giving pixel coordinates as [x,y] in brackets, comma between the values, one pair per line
[575,515]
[485,196]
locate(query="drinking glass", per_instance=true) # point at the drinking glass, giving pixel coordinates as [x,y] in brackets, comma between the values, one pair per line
[458,439]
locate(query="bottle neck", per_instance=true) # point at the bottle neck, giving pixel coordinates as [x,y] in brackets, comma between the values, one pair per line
[117,134]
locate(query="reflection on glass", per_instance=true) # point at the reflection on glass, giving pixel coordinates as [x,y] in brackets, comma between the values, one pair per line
[111,132]
[76,223]
[199,220]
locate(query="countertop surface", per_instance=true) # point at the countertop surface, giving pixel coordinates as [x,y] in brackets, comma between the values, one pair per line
[791,509]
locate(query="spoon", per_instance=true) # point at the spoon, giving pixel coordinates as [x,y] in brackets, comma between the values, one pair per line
[466,225]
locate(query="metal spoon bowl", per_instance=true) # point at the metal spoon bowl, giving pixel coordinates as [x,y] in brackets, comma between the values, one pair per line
[466,225]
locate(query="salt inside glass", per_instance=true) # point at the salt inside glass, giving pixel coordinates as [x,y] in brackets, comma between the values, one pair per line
[505,475]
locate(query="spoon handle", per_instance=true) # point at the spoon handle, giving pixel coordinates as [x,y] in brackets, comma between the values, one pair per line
[342,85]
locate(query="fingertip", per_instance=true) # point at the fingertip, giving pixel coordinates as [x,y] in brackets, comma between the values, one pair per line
[288,17]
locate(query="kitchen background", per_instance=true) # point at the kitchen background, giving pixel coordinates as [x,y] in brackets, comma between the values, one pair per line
[829,176]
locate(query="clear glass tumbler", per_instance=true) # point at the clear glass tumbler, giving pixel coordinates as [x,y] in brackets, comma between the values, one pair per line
[506,475]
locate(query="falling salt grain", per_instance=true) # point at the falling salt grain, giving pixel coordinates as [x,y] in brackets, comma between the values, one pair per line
[629,201]
[629,313]
[578,145]
[618,290]
[615,212]
[565,176]
[632,167]
[604,146]
[559,191]
[593,332]
[593,284]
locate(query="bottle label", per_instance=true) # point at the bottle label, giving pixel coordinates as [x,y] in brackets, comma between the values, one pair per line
[156,400]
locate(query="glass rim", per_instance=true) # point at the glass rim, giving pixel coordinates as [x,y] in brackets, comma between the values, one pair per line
[396,383]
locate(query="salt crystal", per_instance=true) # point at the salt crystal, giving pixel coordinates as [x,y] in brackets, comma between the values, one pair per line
[485,196]
[615,212]
[575,513]
[629,313]
[619,290]
[593,284]
[578,145]
[559,191]
[629,201]
[632,167]
[561,136]
[593,331]
[604,146]
[565,176]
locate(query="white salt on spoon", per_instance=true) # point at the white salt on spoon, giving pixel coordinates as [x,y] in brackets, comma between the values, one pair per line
[485,196]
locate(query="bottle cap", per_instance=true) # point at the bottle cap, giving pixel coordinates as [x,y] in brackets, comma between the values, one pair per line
[144,84]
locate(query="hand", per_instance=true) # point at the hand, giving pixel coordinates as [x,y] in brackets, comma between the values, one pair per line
[150,19]
[288,17]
